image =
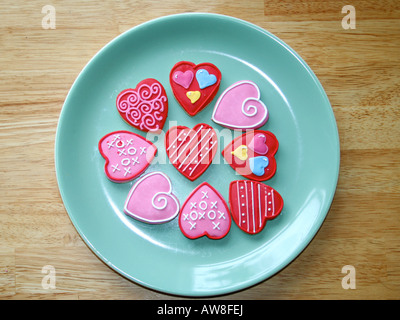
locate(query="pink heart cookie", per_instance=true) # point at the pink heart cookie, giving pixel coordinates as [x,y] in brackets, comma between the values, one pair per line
[127,155]
[205,213]
[240,107]
[151,199]
[183,78]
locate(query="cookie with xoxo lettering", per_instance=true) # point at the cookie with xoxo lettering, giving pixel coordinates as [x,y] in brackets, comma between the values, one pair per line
[127,155]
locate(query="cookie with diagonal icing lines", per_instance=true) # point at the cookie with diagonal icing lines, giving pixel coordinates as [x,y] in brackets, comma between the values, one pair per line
[191,151]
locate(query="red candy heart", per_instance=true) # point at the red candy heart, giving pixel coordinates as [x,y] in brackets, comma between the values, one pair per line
[253,154]
[252,204]
[191,151]
[194,86]
[205,213]
[145,107]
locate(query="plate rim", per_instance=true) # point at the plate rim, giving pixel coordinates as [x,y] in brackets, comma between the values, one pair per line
[284,262]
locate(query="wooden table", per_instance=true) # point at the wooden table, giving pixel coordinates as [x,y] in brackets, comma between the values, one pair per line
[359,69]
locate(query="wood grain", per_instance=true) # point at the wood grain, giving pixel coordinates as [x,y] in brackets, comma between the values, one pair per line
[359,69]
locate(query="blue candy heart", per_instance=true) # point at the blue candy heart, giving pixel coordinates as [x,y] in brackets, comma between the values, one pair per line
[205,79]
[258,164]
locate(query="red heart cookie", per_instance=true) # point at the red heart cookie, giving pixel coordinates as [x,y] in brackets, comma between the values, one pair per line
[194,86]
[191,151]
[205,213]
[252,204]
[253,154]
[127,155]
[145,107]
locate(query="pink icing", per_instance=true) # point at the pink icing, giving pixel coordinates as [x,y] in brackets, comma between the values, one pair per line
[258,144]
[151,199]
[205,212]
[240,107]
[127,155]
[183,78]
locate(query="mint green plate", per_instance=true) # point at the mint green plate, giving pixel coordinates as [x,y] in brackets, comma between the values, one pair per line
[160,256]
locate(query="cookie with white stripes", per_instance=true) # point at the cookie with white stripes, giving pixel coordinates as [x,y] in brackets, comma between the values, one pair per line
[252,204]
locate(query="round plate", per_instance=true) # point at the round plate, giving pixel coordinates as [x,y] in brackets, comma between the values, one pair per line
[160,256]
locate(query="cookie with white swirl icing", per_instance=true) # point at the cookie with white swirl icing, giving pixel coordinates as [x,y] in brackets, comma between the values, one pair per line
[240,107]
[145,107]
[151,199]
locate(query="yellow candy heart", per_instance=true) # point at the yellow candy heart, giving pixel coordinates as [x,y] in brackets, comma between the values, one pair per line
[240,152]
[193,96]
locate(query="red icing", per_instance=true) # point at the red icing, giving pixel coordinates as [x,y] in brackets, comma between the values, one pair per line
[252,203]
[191,151]
[182,85]
[145,107]
[247,139]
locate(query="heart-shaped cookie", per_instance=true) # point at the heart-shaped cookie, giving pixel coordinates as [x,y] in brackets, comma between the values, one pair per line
[145,107]
[205,213]
[151,199]
[194,86]
[127,155]
[252,154]
[240,107]
[191,151]
[252,204]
